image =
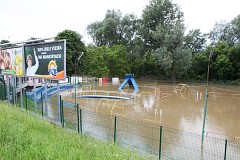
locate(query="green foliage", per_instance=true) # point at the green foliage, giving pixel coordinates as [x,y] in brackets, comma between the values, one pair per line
[195,40]
[4,41]
[26,136]
[228,32]
[114,29]
[164,32]
[198,71]
[236,28]
[107,61]
[74,47]
[221,65]
[162,14]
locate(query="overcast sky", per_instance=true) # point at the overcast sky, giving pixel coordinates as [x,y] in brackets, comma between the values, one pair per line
[23,19]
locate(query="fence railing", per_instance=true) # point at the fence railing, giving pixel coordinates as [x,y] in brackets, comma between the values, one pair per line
[160,142]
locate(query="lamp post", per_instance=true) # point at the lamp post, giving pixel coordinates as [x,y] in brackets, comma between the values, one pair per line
[75,87]
[206,96]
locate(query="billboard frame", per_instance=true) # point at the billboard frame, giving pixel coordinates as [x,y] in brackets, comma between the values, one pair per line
[64,59]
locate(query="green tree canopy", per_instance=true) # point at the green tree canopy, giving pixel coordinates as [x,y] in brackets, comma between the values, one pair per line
[114,29]
[195,40]
[107,61]
[73,48]
[163,32]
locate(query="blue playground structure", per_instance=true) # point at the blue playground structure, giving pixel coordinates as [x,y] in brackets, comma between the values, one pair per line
[129,78]
[50,91]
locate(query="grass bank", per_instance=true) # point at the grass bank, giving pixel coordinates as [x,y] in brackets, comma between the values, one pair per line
[26,136]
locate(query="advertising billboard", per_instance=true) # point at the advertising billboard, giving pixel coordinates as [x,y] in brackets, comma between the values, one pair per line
[46,60]
[11,61]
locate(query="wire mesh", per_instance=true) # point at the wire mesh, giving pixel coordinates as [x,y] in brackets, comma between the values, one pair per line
[98,125]
[140,137]
[233,150]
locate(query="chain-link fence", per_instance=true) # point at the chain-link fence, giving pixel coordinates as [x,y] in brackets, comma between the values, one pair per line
[159,141]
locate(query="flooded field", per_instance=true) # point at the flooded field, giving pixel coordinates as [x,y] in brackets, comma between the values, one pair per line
[175,106]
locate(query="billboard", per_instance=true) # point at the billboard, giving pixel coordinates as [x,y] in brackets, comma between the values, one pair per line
[11,61]
[46,60]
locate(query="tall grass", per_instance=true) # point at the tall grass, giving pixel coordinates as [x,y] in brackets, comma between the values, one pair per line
[26,136]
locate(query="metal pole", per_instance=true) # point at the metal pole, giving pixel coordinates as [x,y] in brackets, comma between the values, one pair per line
[81,129]
[60,107]
[4,88]
[160,143]
[78,125]
[78,58]
[1,91]
[204,113]
[115,129]
[12,94]
[61,111]
[12,88]
[42,103]
[21,95]
[8,90]
[35,95]
[206,97]
[45,92]
[26,99]
[58,92]
[15,91]
[225,150]
[62,115]
[75,91]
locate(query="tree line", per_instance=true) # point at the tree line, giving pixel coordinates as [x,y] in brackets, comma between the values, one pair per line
[155,45]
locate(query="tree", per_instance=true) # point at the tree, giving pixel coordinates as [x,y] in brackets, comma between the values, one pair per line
[234,57]
[195,40]
[163,32]
[222,31]
[221,66]
[107,61]
[7,45]
[73,48]
[114,29]
[236,28]
[199,66]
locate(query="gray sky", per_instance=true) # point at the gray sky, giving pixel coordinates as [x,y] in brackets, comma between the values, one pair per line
[22,19]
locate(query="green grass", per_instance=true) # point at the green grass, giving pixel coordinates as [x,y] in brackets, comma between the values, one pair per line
[26,136]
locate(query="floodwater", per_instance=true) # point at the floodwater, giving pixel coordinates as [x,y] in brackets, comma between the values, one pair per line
[175,106]
[178,108]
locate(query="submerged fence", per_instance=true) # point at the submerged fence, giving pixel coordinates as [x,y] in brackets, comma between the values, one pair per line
[160,142]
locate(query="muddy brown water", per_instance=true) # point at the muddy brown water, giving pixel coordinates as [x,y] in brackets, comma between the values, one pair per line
[179,107]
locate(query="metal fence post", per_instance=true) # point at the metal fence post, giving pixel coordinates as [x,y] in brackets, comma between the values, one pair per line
[160,143]
[42,103]
[60,109]
[78,125]
[62,115]
[12,94]
[115,129]
[1,91]
[25,92]
[81,121]
[225,150]
[4,88]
